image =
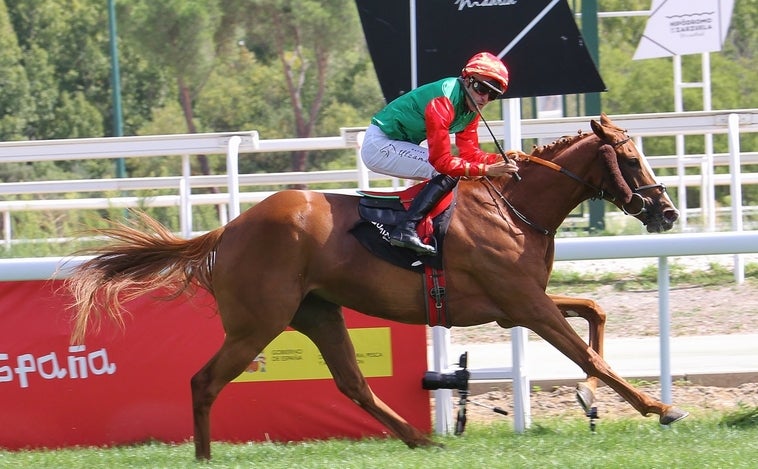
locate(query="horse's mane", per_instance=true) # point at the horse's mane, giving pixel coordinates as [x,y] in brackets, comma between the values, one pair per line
[559,144]
[622,190]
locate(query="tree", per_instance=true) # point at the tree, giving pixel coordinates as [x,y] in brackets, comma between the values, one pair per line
[308,38]
[15,99]
[180,35]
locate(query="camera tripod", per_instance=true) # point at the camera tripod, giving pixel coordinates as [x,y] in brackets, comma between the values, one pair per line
[460,421]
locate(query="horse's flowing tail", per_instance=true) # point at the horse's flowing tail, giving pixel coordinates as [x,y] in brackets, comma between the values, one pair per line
[143,256]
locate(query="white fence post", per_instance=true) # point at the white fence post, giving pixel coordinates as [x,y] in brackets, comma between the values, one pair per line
[232,174]
[443,408]
[363,175]
[664,325]
[185,202]
[522,413]
[736,189]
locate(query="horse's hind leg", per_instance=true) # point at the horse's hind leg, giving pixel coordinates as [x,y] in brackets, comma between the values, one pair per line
[595,317]
[235,354]
[324,324]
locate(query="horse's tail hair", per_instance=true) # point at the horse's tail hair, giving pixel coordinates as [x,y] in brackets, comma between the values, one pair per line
[143,256]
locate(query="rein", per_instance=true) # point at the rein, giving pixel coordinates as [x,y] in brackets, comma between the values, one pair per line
[520,215]
[600,193]
[556,167]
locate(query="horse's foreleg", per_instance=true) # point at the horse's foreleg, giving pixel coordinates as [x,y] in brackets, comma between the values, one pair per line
[323,323]
[595,317]
[548,322]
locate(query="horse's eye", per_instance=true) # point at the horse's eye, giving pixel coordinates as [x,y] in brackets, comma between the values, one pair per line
[633,162]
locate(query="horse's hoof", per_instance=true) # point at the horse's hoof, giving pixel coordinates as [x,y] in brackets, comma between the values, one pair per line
[426,443]
[585,396]
[672,415]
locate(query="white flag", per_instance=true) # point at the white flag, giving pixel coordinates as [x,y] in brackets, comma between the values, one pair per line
[680,27]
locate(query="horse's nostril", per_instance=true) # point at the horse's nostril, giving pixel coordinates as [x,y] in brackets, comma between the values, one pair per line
[671,215]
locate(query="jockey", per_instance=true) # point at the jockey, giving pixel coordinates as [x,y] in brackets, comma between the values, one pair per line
[432,112]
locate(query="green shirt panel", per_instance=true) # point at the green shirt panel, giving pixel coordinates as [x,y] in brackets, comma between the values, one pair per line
[403,118]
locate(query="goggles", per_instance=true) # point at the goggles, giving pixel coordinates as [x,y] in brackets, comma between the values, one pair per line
[485,88]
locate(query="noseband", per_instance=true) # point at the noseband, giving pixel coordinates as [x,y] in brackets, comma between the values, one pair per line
[636,192]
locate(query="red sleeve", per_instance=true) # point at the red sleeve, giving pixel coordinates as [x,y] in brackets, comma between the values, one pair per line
[438,115]
[467,142]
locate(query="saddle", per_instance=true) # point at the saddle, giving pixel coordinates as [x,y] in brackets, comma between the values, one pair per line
[380,212]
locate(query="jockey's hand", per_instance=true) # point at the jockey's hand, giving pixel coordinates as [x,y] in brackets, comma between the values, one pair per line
[501,168]
[515,154]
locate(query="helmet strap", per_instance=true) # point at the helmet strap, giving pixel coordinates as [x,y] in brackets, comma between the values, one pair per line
[471,80]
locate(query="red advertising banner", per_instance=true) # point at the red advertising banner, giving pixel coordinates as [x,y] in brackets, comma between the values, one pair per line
[132,385]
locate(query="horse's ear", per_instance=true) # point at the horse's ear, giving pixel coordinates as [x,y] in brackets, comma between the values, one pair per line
[621,188]
[597,129]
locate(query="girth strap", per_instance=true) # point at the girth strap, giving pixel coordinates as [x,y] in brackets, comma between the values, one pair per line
[435,297]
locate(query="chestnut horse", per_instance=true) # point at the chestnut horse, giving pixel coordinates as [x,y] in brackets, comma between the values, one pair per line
[291,261]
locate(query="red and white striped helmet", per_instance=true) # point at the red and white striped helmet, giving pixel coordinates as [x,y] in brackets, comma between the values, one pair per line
[486,64]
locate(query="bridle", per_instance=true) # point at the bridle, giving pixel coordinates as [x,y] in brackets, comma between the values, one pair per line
[636,191]
[599,192]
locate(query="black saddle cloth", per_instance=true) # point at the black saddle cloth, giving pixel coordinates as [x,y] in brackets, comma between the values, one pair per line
[380,214]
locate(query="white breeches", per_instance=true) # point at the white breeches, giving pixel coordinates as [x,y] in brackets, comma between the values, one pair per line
[395,158]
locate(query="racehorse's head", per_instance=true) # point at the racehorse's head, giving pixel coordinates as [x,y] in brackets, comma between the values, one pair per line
[636,191]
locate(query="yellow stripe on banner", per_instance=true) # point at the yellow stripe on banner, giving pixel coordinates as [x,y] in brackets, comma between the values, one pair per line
[292,356]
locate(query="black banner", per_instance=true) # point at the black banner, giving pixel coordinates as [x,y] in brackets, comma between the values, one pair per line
[537,39]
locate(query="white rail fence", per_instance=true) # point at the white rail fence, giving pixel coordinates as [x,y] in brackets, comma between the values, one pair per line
[232,144]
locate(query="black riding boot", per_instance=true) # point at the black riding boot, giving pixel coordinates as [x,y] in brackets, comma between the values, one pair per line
[404,234]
